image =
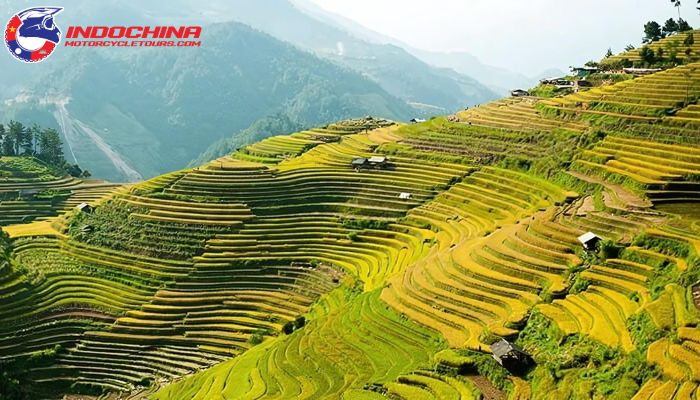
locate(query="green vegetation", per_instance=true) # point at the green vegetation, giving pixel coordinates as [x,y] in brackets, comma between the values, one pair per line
[282,271]
[575,367]
[44,144]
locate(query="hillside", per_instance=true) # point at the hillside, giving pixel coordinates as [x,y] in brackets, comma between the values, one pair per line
[291,269]
[122,139]
[391,65]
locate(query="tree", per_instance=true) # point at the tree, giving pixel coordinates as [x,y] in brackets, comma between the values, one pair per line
[288,328]
[660,53]
[677,4]
[27,141]
[670,27]
[629,47]
[16,133]
[652,32]
[647,55]
[35,132]
[8,144]
[683,25]
[50,147]
[689,40]
[608,53]
[2,140]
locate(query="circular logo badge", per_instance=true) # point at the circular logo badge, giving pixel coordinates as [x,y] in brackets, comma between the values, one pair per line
[32,34]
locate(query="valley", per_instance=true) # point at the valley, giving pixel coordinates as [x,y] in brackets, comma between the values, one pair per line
[371,259]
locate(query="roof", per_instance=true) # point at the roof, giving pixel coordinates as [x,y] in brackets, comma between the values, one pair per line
[503,347]
[642,69]
[404,195]
[587,237]
[359,160]
[377,159]
[82,205]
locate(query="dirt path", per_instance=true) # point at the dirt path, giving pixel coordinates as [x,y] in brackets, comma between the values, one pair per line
[486,388]
[630,199]
[75,131]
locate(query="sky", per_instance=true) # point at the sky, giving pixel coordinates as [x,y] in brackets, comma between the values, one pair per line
[524,35]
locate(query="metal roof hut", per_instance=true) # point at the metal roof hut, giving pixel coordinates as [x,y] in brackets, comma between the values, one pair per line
[377,161]
[589,240]
[405,196]
[84,207]
[509,355]
[358,162]
[583,72]
[519,93]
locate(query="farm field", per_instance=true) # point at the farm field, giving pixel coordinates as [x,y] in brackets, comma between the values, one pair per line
[369,259]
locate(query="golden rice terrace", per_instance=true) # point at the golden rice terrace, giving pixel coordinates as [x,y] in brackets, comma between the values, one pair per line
[369,260]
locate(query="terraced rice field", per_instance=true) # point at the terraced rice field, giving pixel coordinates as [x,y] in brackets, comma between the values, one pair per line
[669,44]
[343,347]
[666,173]
[29,190]
[644,99]
[282,271]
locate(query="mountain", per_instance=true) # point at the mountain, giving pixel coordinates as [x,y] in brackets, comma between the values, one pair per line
[119,137]
[128,115]
[552,238]
[432,89]
[500,80]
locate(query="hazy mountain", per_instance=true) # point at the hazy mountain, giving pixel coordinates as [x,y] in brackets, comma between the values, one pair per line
[132,114]
[128,115]
[499,79]
[396,70]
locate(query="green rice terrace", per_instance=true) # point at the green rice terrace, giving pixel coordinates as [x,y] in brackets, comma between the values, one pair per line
[528,248]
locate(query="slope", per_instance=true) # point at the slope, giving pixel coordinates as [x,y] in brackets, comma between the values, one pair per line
[160,97]
[404,270]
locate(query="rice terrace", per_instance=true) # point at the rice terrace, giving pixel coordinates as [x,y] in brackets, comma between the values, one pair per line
[541,246]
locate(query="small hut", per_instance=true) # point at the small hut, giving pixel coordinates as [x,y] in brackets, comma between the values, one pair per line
[589,240]
[509,355]
[84,208]
[405,196]
[377,161]
[358,162]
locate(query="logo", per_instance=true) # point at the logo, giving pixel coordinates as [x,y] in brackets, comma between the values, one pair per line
[32,34]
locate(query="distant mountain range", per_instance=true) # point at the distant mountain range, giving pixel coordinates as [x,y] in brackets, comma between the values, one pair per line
[128,115]
[497,79]
[135,114]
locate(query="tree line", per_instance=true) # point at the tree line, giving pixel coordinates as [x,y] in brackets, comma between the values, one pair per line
[16,139]
[653,31]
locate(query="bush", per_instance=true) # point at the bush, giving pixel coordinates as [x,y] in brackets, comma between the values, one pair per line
[256,338]
[608,249]
[288,328]
[360,224]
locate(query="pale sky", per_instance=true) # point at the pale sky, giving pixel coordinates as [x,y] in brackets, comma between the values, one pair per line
[524,35]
